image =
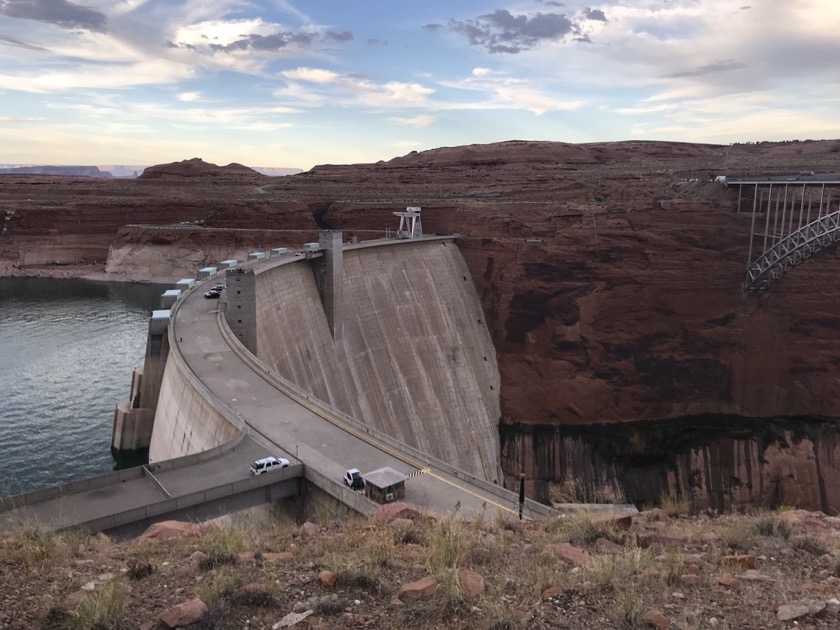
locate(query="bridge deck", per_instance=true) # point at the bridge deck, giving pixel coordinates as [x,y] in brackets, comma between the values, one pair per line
[143,491]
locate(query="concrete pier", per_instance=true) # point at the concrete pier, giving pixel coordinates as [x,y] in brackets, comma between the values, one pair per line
[134,418]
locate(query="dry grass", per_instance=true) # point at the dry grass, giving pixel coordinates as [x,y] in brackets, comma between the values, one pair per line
[102,609]
[584,527]
[675,505]
[372,561]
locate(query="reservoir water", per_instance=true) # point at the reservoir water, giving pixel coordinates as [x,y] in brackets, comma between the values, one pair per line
[67,351]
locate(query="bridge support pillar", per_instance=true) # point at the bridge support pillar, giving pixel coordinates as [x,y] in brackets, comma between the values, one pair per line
[134,418]
[331,281]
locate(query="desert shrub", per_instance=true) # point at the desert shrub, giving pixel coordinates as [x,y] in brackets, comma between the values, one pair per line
[330,608]
[449,589]
[221,546]
[585,527]
[257,597]
[102,609]
[38,545]
[506,520]
[738,535]
[216,592]
[631,603]
[577,491]
[675,504]
[673,566]
[215,559]
[447,542]
[365,574]
[772,525]
[809,544]
[409,534]
[323,515]
[138,569]
[216,617]
[615,572]
[540,574]
[222,541]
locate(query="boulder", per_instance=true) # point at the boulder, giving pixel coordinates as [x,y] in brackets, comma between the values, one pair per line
[471,583]
[327,578]
[421,589]
[742,562]
[655,618]
[570,554]
[184,614]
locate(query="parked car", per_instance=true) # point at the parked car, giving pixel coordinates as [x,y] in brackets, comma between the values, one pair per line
[353,478]
[267,464]
[212,294]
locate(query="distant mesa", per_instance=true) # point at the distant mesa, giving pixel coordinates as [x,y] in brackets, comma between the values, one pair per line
[196,167]
[69,171]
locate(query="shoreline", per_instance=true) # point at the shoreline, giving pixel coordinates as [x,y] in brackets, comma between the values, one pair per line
[95,273]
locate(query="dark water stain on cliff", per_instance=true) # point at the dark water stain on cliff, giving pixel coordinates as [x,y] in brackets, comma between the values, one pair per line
[717,461]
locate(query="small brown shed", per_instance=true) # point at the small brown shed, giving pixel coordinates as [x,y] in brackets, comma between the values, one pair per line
[385,485]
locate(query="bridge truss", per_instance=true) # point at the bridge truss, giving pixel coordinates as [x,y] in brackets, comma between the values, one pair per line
[799,219]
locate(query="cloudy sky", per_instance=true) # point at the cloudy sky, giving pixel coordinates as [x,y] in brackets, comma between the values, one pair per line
[299,83]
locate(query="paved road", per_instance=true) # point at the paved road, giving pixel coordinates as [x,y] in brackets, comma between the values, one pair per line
[86,506]
[302,434]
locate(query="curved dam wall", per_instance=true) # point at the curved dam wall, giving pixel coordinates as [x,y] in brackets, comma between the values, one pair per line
[413,357]
[186,420]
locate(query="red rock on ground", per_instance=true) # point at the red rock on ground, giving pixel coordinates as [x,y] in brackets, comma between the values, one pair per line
[421,589]
[184,614]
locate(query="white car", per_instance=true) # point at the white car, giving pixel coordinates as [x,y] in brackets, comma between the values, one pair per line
[267,464]
[353,478]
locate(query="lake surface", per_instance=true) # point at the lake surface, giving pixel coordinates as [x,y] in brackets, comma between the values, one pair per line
[67,351]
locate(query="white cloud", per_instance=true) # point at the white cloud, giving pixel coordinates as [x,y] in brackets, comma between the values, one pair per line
[350,91]
[312,75]
[504,92]
[423,120]
[89,76]
[220,32]
[188,97]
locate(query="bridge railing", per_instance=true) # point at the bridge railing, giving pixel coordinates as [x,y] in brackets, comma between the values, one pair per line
[166,506]
[66,489]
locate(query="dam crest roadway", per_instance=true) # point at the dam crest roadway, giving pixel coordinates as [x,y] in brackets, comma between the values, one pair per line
[285,362]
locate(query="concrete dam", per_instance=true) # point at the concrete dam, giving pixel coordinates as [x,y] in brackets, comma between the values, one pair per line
[388,332]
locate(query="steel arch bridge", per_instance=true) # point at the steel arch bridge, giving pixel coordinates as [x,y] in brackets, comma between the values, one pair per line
[799,219]
[792,250]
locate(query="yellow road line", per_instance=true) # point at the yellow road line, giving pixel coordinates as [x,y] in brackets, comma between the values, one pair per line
[476,495]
